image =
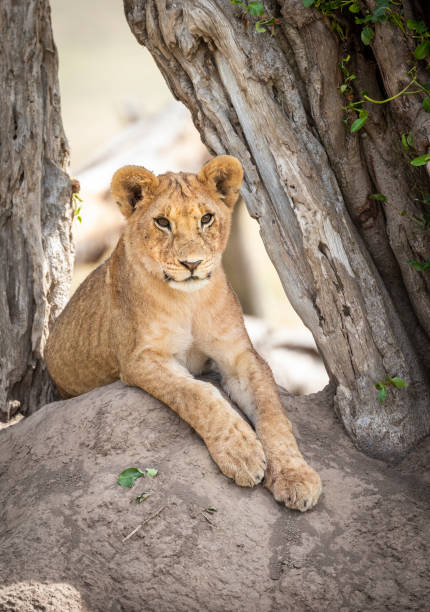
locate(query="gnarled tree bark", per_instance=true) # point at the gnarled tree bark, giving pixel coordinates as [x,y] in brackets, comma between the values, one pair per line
[275,103]
[35,203]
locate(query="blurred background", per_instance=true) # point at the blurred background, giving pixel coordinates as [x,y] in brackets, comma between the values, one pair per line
[118,110]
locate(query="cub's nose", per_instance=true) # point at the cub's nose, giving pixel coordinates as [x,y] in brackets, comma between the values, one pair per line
[191,265]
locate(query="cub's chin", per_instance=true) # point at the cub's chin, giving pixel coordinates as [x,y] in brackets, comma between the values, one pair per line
[190,285]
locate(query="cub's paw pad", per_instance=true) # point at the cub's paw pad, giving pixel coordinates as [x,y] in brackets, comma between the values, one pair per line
[240,455]
[298,487]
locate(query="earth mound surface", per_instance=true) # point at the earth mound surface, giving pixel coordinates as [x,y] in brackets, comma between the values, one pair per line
[73,540]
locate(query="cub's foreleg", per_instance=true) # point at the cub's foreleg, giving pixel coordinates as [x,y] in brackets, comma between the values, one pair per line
[249,381]
[231,442]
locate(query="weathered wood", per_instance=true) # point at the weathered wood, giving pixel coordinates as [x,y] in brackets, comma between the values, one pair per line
[35,203]
[274,102]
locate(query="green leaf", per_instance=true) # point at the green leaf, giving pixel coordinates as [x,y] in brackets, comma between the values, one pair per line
[422,50]
[410,139]
[421,27]
[358,123]
[420,267]
[152,472]
[256,8]
[378,196]
[308,3]
[426,105]
[211,509]
[382,395]
[417,26]
[354,8]
[399,383]
[421,161]
[367,34]
[128,477]
[405,143]
[384,3]
[343,88]
[259,28]
[379,15]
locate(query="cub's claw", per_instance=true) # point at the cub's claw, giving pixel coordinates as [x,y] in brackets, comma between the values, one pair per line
[239,454]
[295,483]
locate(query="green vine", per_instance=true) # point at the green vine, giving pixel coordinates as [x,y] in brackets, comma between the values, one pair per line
[385,10]
[421,223]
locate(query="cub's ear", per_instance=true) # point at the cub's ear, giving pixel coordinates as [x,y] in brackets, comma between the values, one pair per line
[132,187]
[225,173]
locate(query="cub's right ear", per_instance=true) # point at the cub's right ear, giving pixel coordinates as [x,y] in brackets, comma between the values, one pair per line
[133,187]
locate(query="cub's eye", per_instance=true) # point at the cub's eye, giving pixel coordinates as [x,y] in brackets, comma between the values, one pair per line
[207,218]
[162,222]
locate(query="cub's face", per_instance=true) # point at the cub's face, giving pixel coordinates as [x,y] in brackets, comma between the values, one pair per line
[178,224]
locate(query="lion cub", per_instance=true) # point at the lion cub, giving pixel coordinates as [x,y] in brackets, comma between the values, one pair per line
[160,307]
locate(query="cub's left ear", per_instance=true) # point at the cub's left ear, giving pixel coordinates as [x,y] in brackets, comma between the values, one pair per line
[133,187]
[225,173]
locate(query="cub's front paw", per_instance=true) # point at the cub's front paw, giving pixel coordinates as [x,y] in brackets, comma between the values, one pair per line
[293,482]
[238,453]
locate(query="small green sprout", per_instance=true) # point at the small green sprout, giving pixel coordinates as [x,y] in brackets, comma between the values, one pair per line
[140,498]
[383,385]
[420,267]
[408,141]
[256,9]
[77,200]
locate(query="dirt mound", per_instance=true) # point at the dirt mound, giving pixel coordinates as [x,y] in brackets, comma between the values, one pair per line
[65,520]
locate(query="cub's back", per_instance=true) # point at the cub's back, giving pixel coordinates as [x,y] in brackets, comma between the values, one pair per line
[78,352]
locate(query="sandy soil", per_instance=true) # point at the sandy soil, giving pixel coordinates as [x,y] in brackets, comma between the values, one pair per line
[366,546]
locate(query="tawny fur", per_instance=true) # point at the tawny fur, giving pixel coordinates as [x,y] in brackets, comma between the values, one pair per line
[147,319]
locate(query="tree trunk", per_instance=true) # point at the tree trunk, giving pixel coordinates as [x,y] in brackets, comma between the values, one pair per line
[275,103]
[35,203]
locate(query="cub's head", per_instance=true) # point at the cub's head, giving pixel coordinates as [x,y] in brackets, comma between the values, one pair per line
[178,224]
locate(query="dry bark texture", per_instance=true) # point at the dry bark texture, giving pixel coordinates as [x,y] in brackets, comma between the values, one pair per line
[274,102]
[35,203]
[64,520]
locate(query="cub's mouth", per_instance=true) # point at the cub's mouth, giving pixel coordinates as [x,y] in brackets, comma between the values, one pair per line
[189,279]
[189,284]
